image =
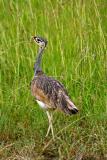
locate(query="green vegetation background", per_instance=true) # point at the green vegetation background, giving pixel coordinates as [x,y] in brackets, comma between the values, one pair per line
[76,31]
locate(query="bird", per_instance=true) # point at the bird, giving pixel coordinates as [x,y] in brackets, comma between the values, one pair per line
[49,93]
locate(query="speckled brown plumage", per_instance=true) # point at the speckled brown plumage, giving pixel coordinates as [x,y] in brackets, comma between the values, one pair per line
[52,93]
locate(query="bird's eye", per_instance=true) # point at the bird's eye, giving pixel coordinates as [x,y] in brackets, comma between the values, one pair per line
[38,40]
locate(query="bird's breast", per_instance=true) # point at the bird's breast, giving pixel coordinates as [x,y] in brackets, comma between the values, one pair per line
[41,104]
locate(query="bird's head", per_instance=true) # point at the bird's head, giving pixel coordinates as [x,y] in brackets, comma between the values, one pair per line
[40,41]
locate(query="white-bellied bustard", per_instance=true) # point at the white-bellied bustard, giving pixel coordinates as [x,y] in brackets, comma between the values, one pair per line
[50,94]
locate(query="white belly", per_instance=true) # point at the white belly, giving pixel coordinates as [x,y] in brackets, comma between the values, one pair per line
[41,104]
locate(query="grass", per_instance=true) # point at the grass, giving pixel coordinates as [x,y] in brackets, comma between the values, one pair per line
[76,55]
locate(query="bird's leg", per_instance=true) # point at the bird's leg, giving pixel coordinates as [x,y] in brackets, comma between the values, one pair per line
[50,124]
[50,121]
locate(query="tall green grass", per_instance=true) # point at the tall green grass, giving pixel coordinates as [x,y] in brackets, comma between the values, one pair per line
[76,55]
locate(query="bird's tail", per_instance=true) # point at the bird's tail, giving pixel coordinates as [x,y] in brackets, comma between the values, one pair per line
[67,105]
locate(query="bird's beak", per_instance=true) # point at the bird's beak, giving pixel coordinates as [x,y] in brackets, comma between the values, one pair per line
[32,38]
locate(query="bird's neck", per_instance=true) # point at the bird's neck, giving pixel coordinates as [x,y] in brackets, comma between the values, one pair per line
[38,61]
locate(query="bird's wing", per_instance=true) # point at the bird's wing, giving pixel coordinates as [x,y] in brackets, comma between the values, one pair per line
[46,90]
[52,93]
